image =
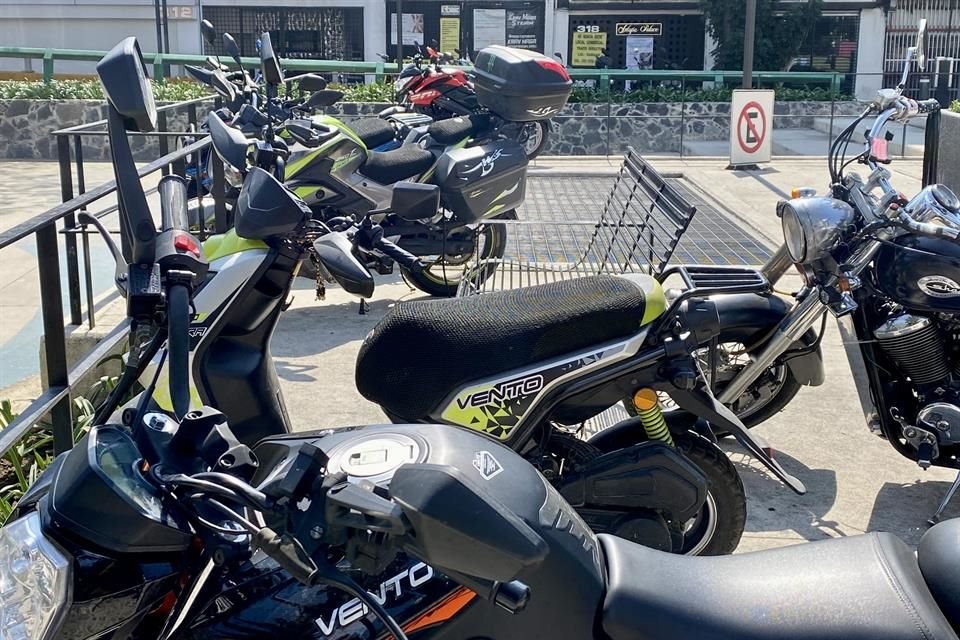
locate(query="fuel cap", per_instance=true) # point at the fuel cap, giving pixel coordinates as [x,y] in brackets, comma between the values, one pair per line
[376,455]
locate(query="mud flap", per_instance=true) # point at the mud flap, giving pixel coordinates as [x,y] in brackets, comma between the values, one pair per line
[700,402]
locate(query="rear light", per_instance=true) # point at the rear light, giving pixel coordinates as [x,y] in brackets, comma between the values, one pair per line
[554,66]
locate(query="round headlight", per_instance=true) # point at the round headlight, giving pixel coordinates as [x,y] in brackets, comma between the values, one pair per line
[34,575]
[793,234]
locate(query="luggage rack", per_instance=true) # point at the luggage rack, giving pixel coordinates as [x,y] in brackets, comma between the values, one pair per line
[637,232]
[700,281]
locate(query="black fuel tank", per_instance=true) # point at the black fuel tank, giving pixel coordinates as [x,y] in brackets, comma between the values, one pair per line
[566,589]
[920,272]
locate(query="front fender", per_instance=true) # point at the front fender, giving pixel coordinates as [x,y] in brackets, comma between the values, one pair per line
[748,318]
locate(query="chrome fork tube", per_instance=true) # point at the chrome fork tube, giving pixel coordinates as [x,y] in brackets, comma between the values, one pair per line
[777,265]
[794,325]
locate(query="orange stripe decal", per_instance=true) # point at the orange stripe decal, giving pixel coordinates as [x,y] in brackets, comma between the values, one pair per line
[443,611]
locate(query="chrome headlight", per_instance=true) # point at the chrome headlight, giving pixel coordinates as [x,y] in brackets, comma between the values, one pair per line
[34,580]
[811,226]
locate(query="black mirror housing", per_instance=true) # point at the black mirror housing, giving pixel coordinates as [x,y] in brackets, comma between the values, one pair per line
[312,82]
[208,31]
[415,200]
[269,62]
[123,75]
[228,143]
[232,48]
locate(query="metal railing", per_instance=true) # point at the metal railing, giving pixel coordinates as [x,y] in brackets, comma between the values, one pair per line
[162,61]
[55,402]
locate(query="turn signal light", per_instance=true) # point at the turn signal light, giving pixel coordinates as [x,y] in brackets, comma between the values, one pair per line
[185,243]
[803,192]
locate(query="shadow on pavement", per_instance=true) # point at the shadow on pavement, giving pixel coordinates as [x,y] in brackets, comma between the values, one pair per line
[772,507]
[905,508]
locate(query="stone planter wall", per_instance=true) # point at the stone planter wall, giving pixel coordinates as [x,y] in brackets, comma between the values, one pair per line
[580,129]
[948,164]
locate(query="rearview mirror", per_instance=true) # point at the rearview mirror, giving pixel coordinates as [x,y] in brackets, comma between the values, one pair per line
[228,143]
[335,253]
[269,63]
[223,86]
[123,75]
[323,98]
[921,44]
[415,201]
[460,526]
[312,82]
[232,48]
[208,31]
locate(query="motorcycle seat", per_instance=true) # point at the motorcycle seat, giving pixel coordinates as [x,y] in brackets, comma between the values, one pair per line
[387,167]
[373,132]
[865,587]
[939,557]
[425,350]
[453,130]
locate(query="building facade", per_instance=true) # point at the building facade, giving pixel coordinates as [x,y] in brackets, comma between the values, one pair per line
[865,37]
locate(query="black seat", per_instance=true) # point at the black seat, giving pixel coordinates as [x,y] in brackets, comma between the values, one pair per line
[423,351]
[453,130]
[373,132]
[387,167]
[939,559]
[858,588]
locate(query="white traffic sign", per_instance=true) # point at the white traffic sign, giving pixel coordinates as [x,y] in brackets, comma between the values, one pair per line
[751,126]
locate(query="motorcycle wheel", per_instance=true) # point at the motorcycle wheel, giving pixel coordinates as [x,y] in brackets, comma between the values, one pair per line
[442,278]
[763,399]
[534,137]
[717,529]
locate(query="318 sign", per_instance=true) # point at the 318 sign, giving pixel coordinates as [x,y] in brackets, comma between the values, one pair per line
[588,28]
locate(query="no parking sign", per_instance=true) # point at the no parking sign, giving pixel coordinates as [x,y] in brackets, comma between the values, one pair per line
[751,126]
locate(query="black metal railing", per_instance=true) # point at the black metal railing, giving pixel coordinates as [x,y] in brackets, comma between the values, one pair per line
[55,402]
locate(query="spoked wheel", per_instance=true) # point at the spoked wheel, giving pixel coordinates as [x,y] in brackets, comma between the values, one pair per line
[442,277]
[533,137]
[764,398]
[715,530]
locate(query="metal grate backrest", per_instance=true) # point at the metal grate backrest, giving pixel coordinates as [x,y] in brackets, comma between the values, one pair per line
[641,223]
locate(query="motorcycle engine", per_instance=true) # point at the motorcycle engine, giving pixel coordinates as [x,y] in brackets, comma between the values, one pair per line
[927,350]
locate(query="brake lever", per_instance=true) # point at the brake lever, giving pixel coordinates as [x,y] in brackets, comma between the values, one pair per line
[350,505]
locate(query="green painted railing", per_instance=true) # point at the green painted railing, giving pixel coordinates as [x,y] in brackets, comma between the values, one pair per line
[161,60]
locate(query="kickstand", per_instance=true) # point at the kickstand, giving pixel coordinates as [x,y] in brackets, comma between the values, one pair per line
[364,307]
[946,500]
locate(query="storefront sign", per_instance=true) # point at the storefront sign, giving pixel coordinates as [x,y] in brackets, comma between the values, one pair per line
[639,28]
[412,28]
[489,27]
[450,10]
[521,29]
[180,13]
[587,45]
[449,34]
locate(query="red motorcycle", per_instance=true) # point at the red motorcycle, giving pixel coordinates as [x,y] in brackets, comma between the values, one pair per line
[441,90]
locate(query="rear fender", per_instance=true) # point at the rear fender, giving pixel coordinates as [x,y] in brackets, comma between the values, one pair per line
[749,317]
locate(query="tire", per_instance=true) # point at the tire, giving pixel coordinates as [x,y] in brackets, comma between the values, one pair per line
[726,505]
[534,137]
[785,386]
[719,526]
[443,280]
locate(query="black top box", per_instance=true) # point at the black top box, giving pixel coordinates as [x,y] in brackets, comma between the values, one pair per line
[520,85]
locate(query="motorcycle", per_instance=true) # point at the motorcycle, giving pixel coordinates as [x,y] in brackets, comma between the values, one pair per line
[886,267]
[482,175]
[444,91]
[170,528]
[678,494]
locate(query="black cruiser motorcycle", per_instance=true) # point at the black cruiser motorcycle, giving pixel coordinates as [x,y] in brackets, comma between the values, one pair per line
[169,528]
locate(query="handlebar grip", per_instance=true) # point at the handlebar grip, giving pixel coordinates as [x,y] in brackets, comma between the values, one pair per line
[173,203]
[403,257]
[929,106]
[178,348]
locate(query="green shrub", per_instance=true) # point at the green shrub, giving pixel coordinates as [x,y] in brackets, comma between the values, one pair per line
[955,106]
[91,90]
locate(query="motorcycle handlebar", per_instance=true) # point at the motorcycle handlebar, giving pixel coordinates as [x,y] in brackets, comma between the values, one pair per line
[403,257]
[173,203]
[927,228]
[178,347]
[929,106]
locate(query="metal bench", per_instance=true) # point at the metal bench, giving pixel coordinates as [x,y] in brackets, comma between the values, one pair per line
[637,232]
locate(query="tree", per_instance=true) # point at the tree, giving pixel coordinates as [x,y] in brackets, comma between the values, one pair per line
[782,28]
